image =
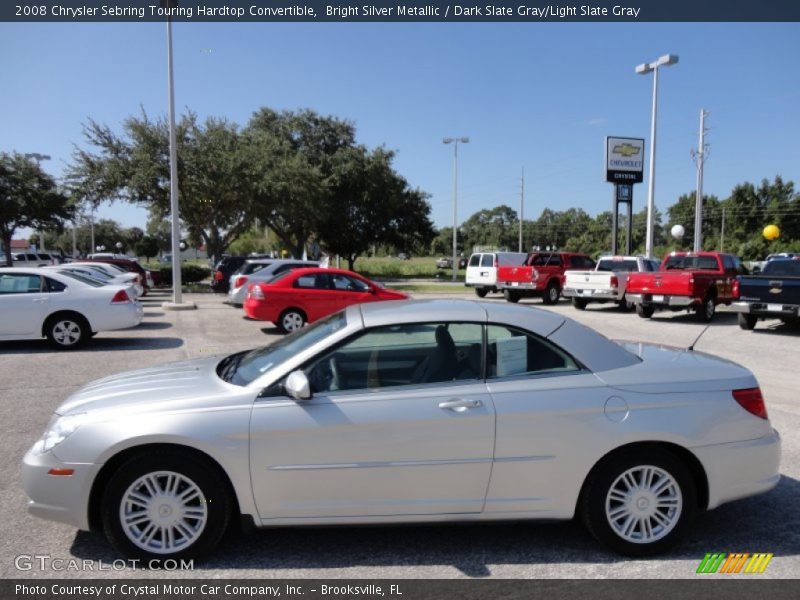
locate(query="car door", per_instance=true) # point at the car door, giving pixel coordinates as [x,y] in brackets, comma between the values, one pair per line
[549,412]
[383,435]
[22,304]
[350,290]
[312,293]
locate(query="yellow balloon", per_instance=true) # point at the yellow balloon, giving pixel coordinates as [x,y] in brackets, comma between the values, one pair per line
[771,232]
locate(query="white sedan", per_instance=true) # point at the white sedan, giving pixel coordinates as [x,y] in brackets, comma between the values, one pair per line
[409,411]
[65,307]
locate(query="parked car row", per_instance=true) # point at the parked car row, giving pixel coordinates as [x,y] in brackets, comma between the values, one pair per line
[697,282]
[65,306]
[30,259]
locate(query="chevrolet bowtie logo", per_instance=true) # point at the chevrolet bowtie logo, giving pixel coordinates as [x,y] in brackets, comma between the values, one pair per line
[626,150]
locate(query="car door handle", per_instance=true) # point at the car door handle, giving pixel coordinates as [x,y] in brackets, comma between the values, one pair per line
[37,300]
[459,405]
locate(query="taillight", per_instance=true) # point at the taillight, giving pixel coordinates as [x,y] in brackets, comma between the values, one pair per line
[121,297]
[255,292]
[240,281]
[614,281]
[752,401]
[736,288]
[218,276]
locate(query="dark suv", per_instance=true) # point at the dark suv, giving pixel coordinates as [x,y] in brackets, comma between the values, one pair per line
[222,272]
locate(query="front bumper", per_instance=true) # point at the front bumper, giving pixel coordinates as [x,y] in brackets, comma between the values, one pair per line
[590,294]
[661,299]
[765,309]
[741,469]
[62,498]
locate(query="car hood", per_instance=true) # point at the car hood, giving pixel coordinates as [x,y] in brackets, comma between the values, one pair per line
[665,369]
[189,384]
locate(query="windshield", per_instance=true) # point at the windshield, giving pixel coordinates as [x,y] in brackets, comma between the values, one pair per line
[245,367]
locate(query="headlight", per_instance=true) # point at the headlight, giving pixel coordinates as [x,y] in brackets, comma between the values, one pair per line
[59,429]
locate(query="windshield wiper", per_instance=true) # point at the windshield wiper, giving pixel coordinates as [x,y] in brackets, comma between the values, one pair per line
[229,365]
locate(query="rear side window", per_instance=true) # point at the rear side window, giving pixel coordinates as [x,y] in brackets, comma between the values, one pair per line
[54,286]
[20,283]
[318,281]
[474,260]
[514,352]
[487,260]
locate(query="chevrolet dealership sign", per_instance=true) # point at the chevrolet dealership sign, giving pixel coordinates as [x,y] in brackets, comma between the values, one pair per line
[624,160]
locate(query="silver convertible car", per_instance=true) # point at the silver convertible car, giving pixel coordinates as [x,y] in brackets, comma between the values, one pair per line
[410,411]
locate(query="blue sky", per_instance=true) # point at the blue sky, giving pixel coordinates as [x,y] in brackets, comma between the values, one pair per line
[542,96]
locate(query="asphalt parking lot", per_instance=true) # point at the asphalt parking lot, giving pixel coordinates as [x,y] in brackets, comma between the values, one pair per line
[34,379]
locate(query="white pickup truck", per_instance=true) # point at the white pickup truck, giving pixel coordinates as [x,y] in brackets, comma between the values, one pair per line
[607,282]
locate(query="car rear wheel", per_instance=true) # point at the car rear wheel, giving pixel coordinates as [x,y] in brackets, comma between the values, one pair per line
[625,305]
[705,312]
[551,294]
[645,311]
[747,322]
[161,505]
[639,503]
[579,303]
[291,320]
[481,292]
[511,295]
[67,331]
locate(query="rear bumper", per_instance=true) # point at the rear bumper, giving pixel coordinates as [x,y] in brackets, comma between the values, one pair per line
[523,286]
[260,311]
[661,300]
[765,309]
[590,294]
[741,469]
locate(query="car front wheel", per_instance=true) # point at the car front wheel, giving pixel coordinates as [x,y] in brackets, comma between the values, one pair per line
[639,503]
[161,505]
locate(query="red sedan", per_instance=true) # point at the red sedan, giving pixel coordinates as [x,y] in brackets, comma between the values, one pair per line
[304,295]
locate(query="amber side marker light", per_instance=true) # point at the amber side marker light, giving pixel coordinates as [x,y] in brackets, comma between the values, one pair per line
[65,472]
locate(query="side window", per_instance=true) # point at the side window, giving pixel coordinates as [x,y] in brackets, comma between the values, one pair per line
[348,284]
[474,260]
[409,354]
[20,283]
[512,352]
[487,260]
[54,286]
[318,281]
[727,263]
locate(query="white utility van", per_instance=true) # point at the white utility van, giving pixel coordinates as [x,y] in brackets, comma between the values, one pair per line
[482,269]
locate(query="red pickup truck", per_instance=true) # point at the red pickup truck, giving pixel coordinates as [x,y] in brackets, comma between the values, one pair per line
[686,280]
[542,274]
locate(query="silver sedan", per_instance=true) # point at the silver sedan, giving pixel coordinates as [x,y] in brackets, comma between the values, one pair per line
[411,411]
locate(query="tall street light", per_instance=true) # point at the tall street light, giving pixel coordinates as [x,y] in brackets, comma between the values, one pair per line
[666,60]
[177,298]
[455,142]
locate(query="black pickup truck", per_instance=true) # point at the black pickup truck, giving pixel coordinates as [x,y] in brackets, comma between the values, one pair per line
[772,294]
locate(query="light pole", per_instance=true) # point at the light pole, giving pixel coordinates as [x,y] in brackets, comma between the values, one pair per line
[455,142]
[177,299]
[643,69]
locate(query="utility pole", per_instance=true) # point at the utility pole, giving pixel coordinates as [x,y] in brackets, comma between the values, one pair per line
[700,159]
[722,232]
[521,206]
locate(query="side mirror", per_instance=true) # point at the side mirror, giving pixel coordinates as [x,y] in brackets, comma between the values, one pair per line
[297,386]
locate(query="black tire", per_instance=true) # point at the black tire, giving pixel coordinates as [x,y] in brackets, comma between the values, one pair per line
[645,311]
[481,292]
[624,305]
[579,303]
[291,320]
[67,331]
[667,513]
[511,295]
[551,293]
[707,309]
[747,322]
[187,469]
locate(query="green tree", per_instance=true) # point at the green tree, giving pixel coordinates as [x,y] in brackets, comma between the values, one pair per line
[28,198]
[147,246]
[214,173]
[498,227]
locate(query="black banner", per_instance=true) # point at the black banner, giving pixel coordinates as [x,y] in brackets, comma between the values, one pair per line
[708,587]
[381,11]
